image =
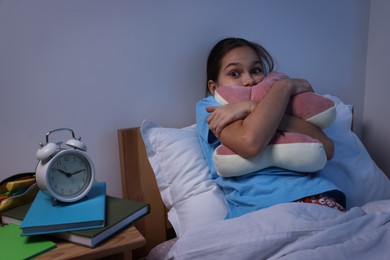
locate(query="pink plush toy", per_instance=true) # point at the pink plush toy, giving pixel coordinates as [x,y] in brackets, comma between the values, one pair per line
[292,151]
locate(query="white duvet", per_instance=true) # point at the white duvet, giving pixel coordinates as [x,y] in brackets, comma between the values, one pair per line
[292,231]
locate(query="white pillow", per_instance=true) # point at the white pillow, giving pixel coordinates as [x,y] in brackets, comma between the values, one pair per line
[191,196]
[352,168]
[194,199]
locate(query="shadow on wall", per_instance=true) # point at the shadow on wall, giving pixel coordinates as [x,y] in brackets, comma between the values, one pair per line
[376,141]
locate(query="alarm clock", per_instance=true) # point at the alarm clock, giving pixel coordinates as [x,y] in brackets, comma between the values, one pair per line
[66,174]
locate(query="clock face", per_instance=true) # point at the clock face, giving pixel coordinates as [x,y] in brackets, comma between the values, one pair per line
[69,174]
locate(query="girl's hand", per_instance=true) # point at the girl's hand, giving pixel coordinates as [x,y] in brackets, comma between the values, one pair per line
[221,116]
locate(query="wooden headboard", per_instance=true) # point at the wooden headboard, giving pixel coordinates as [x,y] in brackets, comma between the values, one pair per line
[139,183]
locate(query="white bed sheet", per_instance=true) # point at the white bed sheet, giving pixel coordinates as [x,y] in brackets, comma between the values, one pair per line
[292,231]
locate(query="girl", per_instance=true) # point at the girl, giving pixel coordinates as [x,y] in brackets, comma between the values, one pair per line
[247,127]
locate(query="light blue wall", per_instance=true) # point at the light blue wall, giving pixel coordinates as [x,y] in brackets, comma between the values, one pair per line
[99,65]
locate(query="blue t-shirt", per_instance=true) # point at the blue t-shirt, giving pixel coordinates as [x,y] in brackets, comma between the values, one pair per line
[259,189]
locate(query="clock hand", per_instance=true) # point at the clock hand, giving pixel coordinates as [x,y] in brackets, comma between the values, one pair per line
[78,171]
[64,172]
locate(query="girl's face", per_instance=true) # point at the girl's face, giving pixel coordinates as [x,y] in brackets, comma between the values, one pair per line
[239,67]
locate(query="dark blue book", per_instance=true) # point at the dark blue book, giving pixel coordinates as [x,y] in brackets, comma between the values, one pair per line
[44,217]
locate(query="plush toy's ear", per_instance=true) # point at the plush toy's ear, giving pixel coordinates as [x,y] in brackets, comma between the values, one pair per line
[232,94]
[292,151]
[316,109]
[260,90]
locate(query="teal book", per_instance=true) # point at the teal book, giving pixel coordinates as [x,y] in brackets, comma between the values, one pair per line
[14,246]
[44,217]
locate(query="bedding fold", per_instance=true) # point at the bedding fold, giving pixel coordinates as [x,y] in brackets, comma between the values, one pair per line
[292,231]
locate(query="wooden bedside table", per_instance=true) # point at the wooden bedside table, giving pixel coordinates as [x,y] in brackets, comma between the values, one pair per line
[119,246]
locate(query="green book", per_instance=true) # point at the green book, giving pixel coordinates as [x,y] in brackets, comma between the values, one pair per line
[15,246]
[120,213]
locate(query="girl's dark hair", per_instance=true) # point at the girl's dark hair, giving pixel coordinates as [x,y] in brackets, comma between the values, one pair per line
[224,46]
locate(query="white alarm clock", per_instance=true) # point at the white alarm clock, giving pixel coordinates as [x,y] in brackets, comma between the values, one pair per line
[64,174]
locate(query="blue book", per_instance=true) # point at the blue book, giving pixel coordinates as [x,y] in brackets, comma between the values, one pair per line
[44,217]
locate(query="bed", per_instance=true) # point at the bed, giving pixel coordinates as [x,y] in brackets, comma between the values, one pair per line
[165,167]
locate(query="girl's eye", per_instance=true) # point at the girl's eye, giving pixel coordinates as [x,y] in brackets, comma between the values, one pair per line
[234,74]
[257,71]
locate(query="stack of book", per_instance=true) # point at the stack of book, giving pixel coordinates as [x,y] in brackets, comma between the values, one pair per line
[88,222]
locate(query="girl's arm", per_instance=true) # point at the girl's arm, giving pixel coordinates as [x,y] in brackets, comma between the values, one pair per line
[294,124]
[226,114]
[249,135]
